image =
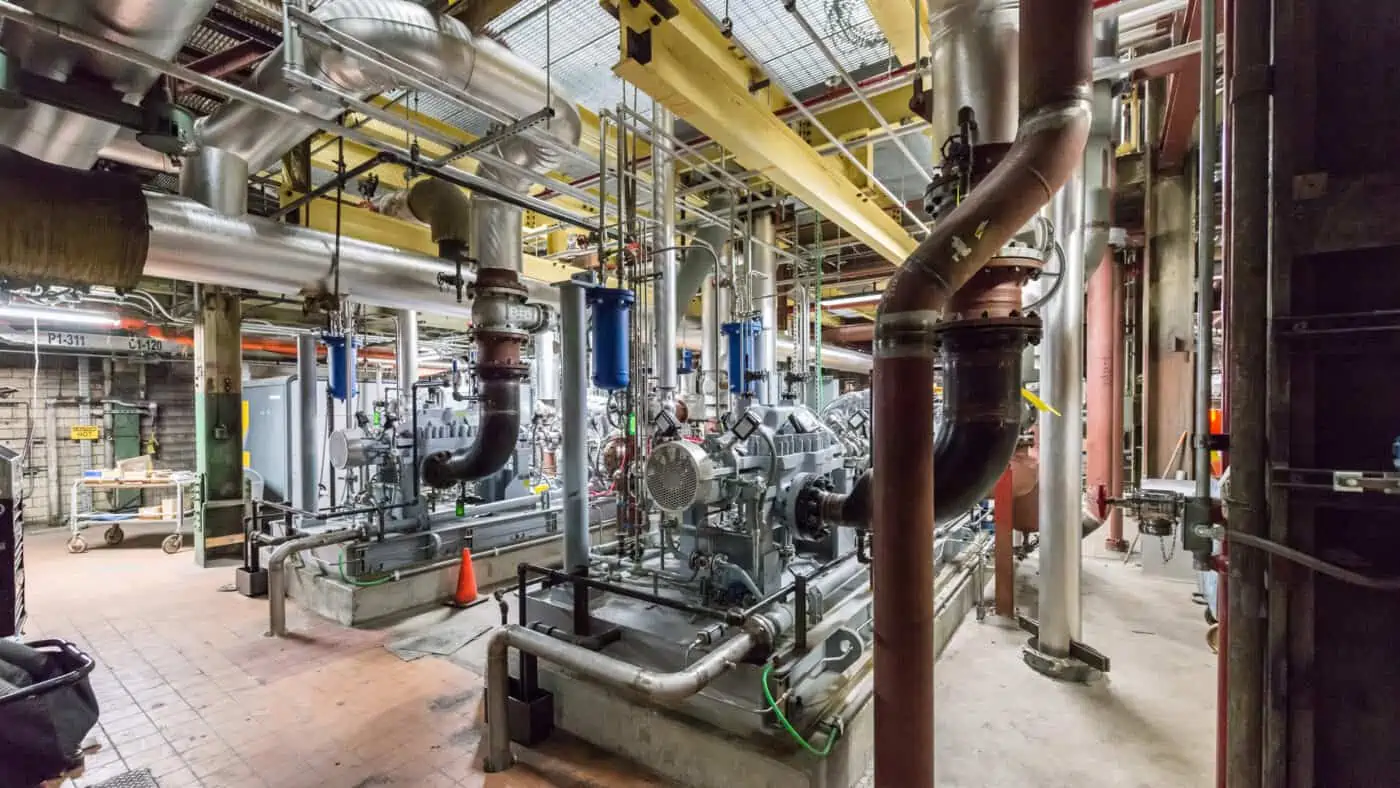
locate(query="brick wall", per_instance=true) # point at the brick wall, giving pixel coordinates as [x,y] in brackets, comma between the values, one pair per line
[170,384]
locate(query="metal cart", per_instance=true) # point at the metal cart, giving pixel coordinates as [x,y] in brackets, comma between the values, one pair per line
[113,534]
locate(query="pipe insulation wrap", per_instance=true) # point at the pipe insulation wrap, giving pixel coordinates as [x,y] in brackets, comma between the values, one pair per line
[69,227]
[157,27]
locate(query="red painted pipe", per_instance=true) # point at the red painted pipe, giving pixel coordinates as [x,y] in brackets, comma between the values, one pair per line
[1103,398]
[1055,73]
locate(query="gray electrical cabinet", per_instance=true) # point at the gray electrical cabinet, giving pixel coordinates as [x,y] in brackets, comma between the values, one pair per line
[269,438]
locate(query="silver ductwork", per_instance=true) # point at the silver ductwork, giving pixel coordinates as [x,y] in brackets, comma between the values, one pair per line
[974,64]
[156,27]
[702,258]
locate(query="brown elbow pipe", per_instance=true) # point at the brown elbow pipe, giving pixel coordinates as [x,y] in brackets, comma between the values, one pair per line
[1055,74]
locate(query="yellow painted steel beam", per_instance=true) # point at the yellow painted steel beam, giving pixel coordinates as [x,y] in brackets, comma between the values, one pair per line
[896,19]
[685,63]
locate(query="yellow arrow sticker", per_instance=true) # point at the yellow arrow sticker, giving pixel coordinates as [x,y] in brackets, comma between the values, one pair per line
[1040,404]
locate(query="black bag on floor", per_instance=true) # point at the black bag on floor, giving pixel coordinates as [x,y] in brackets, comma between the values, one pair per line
[47,708]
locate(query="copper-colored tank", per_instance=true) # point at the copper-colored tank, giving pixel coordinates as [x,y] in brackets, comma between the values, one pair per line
[1025,486]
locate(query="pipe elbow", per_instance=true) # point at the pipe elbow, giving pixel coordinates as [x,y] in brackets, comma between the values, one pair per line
[497,434]
[446,209]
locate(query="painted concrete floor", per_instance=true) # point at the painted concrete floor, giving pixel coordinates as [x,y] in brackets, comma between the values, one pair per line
[191,689]
[1149,723]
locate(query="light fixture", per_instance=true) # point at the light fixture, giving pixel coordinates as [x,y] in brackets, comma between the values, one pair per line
[852,300]
[55,315]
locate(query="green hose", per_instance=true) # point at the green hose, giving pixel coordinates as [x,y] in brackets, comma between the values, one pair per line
[782,718]
[359,583]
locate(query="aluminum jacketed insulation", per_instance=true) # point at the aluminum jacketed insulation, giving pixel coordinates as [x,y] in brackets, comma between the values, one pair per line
[83,228]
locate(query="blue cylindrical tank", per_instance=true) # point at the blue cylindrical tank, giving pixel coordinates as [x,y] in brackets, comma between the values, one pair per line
[340,365]
[611,350]
[742,338]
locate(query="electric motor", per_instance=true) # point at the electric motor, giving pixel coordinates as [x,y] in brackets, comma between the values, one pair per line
[679,475]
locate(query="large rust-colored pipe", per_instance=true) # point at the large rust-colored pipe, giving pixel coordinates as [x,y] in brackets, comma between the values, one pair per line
[1055,72]
[1103,433]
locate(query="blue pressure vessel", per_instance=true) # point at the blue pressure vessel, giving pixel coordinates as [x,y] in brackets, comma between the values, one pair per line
[742,338]
[340,365]
[611,352]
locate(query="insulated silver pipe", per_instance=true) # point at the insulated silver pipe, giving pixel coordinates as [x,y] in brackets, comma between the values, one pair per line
[546,375]
[155,28]
[765,294]
[608,671]
[277,573]
[193,243]
[663,238]
[406,360]
[1062,436]
[1205,256]
[574,415]
[307,496]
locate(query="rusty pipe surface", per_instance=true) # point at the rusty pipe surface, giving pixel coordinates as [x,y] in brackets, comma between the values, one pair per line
[1055,72]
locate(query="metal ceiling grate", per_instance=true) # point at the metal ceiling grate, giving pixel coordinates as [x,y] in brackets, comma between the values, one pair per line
[581,40]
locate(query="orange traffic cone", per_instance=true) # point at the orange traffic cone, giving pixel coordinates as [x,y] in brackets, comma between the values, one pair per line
[466,581]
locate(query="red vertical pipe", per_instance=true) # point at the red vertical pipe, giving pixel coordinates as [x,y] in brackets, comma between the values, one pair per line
[1098,392]
[1003,546]
[1115,475]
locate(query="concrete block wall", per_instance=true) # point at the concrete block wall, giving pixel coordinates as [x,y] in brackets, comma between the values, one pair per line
[168,383]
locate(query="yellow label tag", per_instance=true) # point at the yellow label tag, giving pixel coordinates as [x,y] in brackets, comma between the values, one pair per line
[84,432]
[1040,404]
[539,488]
[247,459]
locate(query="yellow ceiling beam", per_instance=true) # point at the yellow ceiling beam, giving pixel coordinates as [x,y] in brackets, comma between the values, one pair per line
[684,63]
[897,19]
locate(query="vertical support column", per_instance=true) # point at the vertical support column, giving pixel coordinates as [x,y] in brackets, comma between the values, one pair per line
[764,288]
[1061,452]
[574,416]
[1244,634]
[308,442]
[1168,329]
[218,408]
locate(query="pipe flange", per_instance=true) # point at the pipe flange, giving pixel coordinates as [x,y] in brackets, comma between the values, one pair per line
[991,330]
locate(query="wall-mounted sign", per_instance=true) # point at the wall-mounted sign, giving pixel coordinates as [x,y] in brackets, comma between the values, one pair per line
[85,432]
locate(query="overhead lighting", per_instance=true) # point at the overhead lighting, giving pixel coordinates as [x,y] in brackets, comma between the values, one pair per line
[852,300]
[57,315]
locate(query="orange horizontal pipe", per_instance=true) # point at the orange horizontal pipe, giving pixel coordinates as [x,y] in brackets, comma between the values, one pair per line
[278,346]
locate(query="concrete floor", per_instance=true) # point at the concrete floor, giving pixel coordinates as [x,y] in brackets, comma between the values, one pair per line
[1150,722]
[192,690]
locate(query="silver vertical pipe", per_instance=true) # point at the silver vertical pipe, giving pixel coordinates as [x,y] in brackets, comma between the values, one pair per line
[308,442]
[1205,251]
[546,367]
[765,293]
[802,337]
[407,360]
[574,415]
[709,343]
[663,237]
[1062,436]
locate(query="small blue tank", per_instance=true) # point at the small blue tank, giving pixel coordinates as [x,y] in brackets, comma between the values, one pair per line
[742,337]
[340,365]
[612,356]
